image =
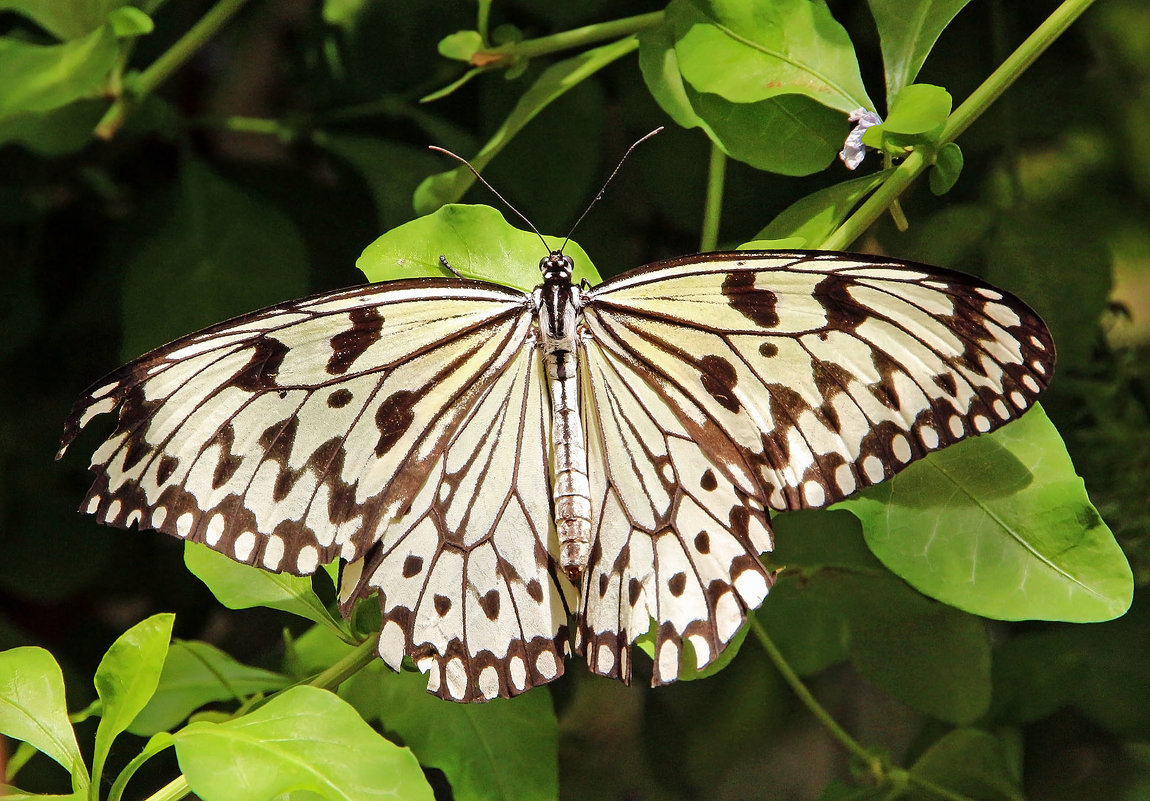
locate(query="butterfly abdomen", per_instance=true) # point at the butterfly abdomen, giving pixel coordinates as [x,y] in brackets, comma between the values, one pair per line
[571,492]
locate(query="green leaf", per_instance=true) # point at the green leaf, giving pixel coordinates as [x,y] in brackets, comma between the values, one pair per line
[126,678]
[477,242]
[460,45]
[851,607]
[748,52]
[209,252]
[812,219]
[552,83]
[128,22]
[946,168]
[39,78]
[33,710]
[918,114]
[999,526]
[64,20]
[240,586]
[805,136]
[967,762]
[907,31]
[306,740]
[504,750]
[195,674]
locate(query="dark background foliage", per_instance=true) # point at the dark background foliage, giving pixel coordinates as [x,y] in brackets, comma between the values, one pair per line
[287,144]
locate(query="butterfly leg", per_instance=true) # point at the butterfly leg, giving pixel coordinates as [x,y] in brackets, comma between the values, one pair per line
[445,264]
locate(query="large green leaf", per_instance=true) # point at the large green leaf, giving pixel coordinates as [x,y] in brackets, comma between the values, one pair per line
[907,31]
[196,673]
[751,51]
[33,710]
[476,241]
[503,749]
[305,741]
[805,135]
[1000,526]
[126,678]
[240,586]
[968,763]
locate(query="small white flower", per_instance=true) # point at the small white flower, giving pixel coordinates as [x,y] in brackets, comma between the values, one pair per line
[854,150]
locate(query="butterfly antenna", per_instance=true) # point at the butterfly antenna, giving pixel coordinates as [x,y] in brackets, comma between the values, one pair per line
[491,188]
[599,195]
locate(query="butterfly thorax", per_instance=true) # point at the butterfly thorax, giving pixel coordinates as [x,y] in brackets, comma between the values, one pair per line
[558,314]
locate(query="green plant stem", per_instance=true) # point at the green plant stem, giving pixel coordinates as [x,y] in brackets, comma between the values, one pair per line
[713,204]
[873,762]
[171,60]
[565,40]
[353,662]
[175,789]
[959,120]
[941,792]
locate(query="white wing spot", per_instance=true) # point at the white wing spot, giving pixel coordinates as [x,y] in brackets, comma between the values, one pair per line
[668,473]
[307,560]
[273,552]
[605,660]
[184,524]
[901,448]
[668,660]
[391,643]
[518,671]
[456,676]
[988,293]
[845,479]
[244,545]
[1039,367]
[702,650]
[982,423]
[929,437]
[134,517]
[955,425]
[813,493]
[434,678]
[93,504]
[872,466]
[545,664]
[159,515]
[215,529]
[1036,342]
[104,390]
[1018,399]
[113,510]
[728,616]
[752,588]
[1001,410]
[489,682]
[1029,382]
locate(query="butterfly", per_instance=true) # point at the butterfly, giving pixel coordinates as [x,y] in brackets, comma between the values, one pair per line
[518,475]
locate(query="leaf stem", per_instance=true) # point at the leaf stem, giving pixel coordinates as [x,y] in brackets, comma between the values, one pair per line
[872,761]
[171,60]
[346,667]
[566,40]
[959,120]
[713,205]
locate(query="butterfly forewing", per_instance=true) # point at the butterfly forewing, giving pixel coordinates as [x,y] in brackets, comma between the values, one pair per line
[827,372]
[291,436]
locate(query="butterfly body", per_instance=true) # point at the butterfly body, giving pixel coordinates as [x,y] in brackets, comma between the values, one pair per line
[496,464]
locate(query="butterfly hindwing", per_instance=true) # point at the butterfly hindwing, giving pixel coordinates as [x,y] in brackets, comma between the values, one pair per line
[677,530]
[467,580]
[828,372]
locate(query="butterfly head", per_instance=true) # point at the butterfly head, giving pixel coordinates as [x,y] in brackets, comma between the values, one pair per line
[556,267]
